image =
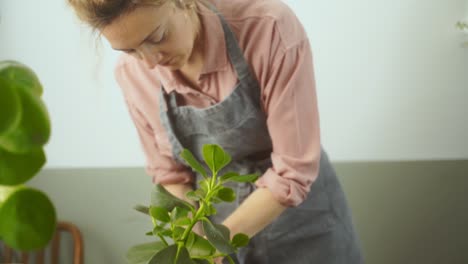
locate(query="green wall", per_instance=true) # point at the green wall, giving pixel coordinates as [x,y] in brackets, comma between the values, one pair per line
[404,212]
[410,212]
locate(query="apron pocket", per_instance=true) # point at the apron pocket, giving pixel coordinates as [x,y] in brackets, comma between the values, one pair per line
[312,217]
[296,224]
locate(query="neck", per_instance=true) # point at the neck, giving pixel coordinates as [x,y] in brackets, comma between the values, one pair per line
[197,51]
[196,58]
[190,72]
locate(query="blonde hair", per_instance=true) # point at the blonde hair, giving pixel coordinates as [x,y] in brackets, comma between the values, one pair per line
[100,13]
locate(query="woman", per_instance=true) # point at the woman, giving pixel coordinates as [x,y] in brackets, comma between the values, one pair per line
[238,74]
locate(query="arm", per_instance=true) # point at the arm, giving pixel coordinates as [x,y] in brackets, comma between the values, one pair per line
[161,166]
[179,190]
[260,203]
[175,178]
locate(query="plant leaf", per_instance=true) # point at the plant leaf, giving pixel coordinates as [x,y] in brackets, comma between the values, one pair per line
[21,75]
[193,162]
[228,175]
[190,239]
[24,121]
[184,221]
[178,232]
[160,213]
[165,256]
[184,257]
[210,210]
[216,200]
[33,130]
[27,218]
[10,115]
[162,198]
[199,247]
[218,235]
[158,228]
[13,169]
[204,185]
[240,240]
[215,157]
[168,256]
[142,209]
[141,254]
[244,178]
[226,194]
[201,261]
[178,213]
[199,193]
[192,196]
[179,217]
[166,233]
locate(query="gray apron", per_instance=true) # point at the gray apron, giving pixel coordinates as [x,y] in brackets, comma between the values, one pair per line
[319,230]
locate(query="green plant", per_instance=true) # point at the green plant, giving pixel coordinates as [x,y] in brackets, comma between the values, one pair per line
[462,25]
[27,217]
[173,218]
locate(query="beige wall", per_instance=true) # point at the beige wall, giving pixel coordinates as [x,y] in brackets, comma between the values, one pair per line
[405,212]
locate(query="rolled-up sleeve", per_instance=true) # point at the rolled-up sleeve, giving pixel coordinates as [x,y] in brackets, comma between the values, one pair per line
[290,102]
[160,166]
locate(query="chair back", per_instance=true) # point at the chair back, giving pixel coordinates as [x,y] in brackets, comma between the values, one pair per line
[12,256]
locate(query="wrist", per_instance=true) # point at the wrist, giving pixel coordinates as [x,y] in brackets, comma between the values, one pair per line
[179,190]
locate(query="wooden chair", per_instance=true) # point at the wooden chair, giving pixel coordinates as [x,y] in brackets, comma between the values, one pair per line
[12,256]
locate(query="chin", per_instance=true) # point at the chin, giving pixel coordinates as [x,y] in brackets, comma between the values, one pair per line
[175,66]
[172,67]
[179,64]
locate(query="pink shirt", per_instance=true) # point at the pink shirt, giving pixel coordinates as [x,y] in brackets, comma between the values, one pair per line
[278,50]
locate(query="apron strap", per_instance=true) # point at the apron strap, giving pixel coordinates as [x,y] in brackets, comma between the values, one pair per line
[235,53]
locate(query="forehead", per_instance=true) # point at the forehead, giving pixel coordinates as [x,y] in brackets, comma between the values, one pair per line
[131,28]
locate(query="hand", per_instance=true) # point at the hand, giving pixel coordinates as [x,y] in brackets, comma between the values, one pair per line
[218,260]
[197,228]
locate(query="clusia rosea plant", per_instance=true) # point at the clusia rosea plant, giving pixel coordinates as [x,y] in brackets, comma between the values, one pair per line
[174,219]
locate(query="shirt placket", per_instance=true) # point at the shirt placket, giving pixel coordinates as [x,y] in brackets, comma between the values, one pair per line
[187,91]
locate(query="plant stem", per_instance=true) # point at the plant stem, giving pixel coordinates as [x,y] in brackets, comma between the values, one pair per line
[198,214]
[193,222]
[213,181]
[163,240]
[180,244]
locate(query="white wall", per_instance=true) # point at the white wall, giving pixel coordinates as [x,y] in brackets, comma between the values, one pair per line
[90,124]
[391,77]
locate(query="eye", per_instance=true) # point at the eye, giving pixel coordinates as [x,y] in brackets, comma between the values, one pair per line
[158,40]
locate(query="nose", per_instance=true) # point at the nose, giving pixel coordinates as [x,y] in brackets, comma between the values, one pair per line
[150,56]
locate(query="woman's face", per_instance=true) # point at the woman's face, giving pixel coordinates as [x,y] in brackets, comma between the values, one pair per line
[159,35]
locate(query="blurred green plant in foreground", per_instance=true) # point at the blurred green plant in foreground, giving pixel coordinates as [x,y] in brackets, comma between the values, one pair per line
[27,216]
